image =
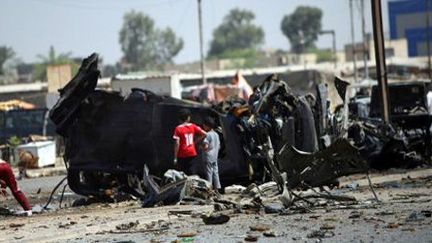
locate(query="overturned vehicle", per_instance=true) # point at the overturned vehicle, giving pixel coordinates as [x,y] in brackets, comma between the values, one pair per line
[125,143]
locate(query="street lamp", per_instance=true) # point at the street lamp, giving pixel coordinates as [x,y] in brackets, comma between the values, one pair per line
[331,32]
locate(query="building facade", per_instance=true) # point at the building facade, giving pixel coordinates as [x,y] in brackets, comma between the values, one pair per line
[408,19]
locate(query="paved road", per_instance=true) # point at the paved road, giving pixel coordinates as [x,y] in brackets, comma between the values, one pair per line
[385,222]
[38,190]
[46,184]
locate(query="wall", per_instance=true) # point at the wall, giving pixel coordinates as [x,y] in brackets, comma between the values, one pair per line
[158,85]
[58,76]
[399,48]
[408,20]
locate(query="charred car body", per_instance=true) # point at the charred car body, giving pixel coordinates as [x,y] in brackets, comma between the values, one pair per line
[111,140]
[405,141]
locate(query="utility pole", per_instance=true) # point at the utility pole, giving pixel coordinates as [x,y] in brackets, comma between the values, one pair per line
[204,80]
[365,43]
[428,40]
[353,40]
[381,68]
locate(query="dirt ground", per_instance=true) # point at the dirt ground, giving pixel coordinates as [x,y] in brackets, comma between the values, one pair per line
[404,215]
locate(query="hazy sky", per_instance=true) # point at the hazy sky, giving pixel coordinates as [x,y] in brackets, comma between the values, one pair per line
[86,26]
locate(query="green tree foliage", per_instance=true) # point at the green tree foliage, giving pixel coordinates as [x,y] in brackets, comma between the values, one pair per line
[237,32]
[14,141]
[6,53]
[144,46]
[52,58]
[242,58]
[302,27]
[324,56]
[110,70]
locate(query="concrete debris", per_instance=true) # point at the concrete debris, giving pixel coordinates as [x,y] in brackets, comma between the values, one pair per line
[392,225]
[197,187]
[251,238]
[180,212]
[187,234]
[259,227]
[418,216]
[267,189]
[355,215]
[16,225]
[127,226]
[234,189]
[321,234]
[273,208]
[327,227]
[171,176]
[67,225]
[269,234]
[179,188]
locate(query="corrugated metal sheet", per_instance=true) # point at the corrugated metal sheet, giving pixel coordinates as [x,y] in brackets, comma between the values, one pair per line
[32,87]
[13,88]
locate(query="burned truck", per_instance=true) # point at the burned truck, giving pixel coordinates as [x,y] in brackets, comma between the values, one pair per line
[114,142]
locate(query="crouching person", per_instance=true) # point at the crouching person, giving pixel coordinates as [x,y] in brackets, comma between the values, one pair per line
[210,146]
[7,179]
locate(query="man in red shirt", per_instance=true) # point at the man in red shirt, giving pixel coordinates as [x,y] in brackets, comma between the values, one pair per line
[7,179]
[184,147]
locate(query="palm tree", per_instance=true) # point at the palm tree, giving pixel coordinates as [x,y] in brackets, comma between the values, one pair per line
[51,59]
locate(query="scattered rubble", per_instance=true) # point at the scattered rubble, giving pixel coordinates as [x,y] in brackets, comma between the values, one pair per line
[282,154]
[260,227]
[251,238]
[418,216]
[296,222]
[215,219]
[128,226]
[187,234]
[67,225]
[270,234]
[321,234]
[16,225]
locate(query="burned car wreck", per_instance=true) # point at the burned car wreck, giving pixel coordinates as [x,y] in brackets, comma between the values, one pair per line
[116,143]
[405,141]
[109,138]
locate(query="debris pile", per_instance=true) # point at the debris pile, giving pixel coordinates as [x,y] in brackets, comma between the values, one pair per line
[283,145]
